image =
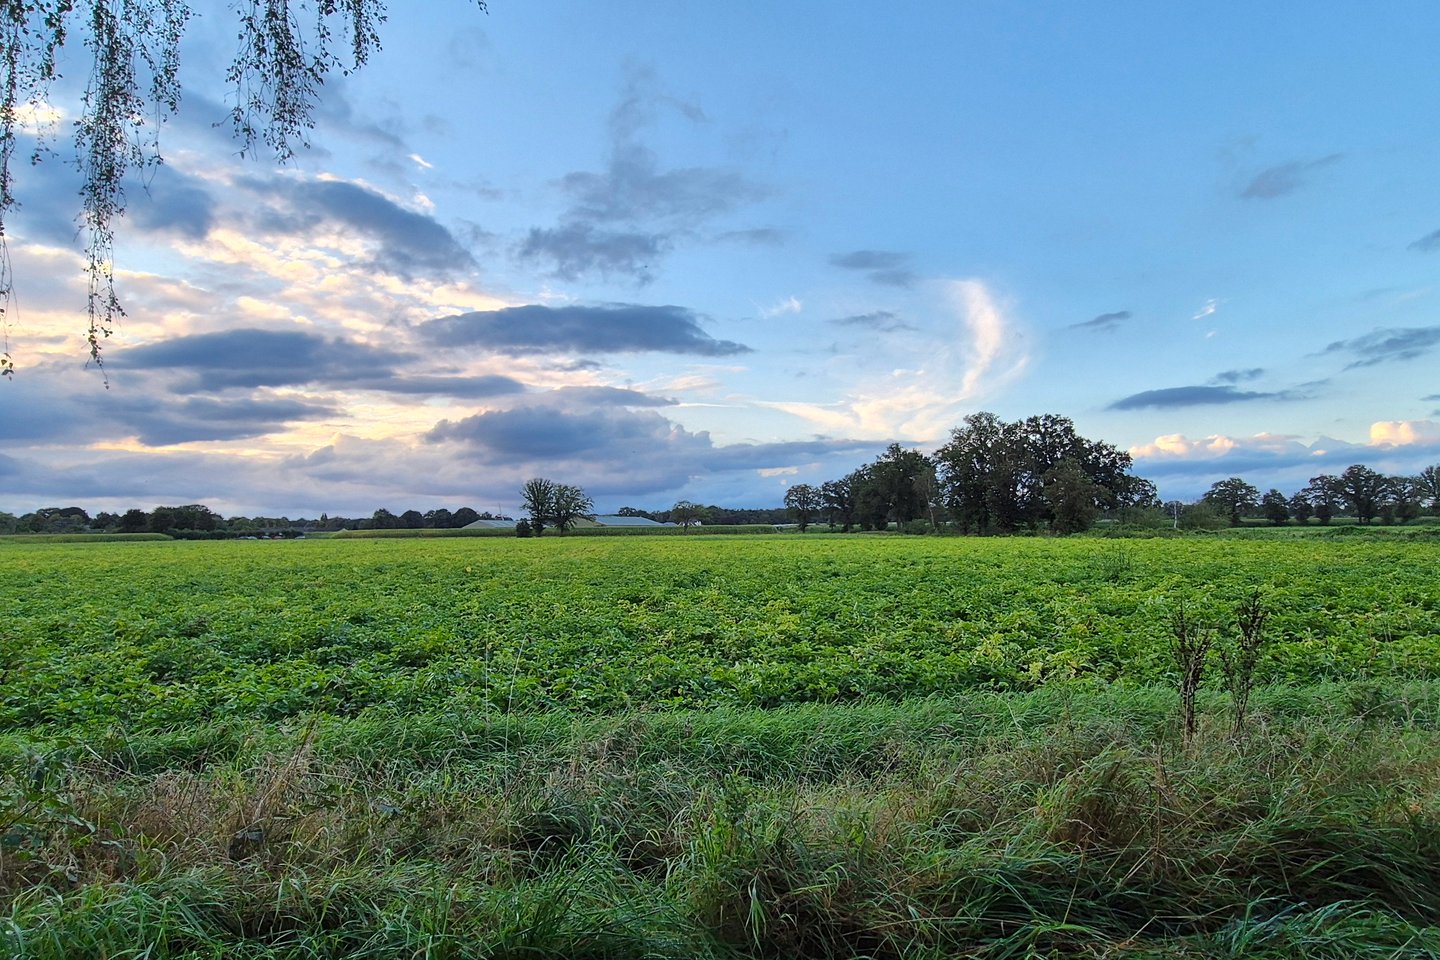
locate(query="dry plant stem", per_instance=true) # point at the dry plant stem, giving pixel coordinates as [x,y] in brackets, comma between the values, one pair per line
[1189,646]
[1238,661]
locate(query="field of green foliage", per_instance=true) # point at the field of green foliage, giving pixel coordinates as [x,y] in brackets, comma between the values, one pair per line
[733,748]
[156,635]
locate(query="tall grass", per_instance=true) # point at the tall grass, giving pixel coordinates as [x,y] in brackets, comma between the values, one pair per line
[1058,823]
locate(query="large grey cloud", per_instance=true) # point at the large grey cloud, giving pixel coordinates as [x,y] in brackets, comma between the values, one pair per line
[1284,178]
[884,267]
[1171,397]
[606,328]
[618,449]
[622,220]
[208,418]
[174,202]
[1387,345]
[410,244]
[249,358]
[579,249]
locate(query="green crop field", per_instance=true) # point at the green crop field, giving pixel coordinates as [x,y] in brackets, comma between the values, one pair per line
[729,747]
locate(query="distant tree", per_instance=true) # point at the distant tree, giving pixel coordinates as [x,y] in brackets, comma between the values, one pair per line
[1234,498]
[685,513]
[1364,490]
[105,521]
[523,529]
[383,519]
[1406,496]
[464,517]
[839,503]
[412,520]
[803,501]
[635,512]
[1429,484]
[1324,493]
[134,521]
[9,523]
[538,497]
[440,518]
[1201,516]
[1301,508]
[568,505]
[1275,506]
[1070,497]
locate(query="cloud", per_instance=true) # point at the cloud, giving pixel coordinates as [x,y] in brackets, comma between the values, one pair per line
[1185,467]
[1172,397]
[579,249]
[1428,243]
[882,321]
[1207,309]
[625,218]
[175,203]
[617,449]
[250,358]
[210,419]
[410,244]
[759,237]
[936,379]
[1386,345]
[1284,178]
[1238,376]
[782,307]
[607,328]
[1106,322]
[1405,433]
[884,267]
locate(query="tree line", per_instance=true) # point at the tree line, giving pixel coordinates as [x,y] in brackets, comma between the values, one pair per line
[1359,492]
[196,520]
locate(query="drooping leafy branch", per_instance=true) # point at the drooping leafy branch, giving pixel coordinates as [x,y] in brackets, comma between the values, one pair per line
[286,50]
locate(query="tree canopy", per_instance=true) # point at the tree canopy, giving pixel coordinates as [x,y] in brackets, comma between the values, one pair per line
[133,49]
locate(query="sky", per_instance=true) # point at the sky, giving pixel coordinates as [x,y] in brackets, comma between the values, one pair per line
[706,251]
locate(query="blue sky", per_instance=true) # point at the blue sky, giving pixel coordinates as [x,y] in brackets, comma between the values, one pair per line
[674,251]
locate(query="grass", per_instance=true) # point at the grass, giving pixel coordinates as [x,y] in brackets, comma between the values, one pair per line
[1057,823]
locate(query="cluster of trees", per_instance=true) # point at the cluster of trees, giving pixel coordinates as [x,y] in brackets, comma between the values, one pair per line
[551,504]
[687,513]
[198,520]
[1358,492]
[990,477]
[438,519]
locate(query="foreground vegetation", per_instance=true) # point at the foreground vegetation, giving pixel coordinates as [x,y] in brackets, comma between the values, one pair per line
[693,747]
[1057,823]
